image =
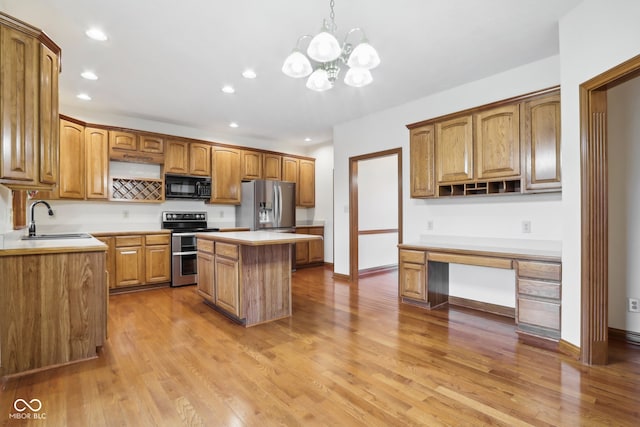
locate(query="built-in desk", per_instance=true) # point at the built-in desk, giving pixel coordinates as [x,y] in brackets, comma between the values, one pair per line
[424,275]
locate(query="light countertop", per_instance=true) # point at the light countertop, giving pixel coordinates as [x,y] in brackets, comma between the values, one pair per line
[489,245]
[11,244]
[257,238]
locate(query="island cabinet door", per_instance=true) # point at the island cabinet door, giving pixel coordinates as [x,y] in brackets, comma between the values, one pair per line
[206,287]
[227,292]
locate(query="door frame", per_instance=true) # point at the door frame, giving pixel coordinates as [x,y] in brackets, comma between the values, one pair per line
[594,202]
[353,204]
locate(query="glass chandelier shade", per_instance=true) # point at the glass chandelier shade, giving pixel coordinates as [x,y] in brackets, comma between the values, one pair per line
[325,55]
[364,56]
[358,77]
[297,65]
[319,81]
[324,47]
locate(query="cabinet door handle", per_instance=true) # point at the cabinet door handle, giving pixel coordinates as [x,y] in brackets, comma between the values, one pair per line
[128,252]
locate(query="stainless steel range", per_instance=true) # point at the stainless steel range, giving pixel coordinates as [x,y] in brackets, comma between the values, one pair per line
[184,250]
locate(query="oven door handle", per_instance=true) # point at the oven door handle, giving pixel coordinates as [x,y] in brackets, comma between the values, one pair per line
[185,253]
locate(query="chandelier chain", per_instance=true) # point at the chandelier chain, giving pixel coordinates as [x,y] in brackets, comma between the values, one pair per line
[332,15]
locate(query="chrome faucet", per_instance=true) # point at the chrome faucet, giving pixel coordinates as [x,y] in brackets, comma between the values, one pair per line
[32,224]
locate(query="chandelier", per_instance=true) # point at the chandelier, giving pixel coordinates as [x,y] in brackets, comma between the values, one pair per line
[325,55]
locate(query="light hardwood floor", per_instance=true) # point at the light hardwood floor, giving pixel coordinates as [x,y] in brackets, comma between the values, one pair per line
[350,355]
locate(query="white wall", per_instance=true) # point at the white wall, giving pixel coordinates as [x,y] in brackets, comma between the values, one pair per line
[323,211]
[594,37]
[623,108]
[499,216]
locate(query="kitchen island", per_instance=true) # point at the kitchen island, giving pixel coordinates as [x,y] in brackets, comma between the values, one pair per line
[246,275]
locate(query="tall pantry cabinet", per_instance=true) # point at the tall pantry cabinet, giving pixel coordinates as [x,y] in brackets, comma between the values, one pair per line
[29,68]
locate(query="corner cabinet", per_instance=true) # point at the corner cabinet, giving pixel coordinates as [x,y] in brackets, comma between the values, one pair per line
[30,65]
[511,146]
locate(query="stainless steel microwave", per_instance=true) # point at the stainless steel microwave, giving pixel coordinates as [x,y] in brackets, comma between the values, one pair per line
[187,187]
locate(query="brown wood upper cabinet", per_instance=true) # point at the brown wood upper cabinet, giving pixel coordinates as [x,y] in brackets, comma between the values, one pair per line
[497,139]
[422,159]
[84,163]
[542,143]
[251,165]
[454,145]
[510,146]
[28,106]
[96,142]
[226,175]
[127,146]
[188,158]
[72,161]
[272,166]
[302,172]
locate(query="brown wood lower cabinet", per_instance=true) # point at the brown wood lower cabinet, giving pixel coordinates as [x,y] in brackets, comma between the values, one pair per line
[249,283]
[206,268]
[137,259]
[157,257]
[423,280]
[219,275]
[309,254]
[54,309]
[227,278]
[539,299]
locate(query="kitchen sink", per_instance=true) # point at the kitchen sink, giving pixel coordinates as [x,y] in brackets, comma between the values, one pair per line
[57,236]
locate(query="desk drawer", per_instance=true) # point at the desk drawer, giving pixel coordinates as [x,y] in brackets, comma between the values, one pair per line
[540,270]
[539,313]
[415,257]
[539,288]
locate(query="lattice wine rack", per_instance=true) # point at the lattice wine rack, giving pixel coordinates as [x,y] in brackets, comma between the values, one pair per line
[137,189]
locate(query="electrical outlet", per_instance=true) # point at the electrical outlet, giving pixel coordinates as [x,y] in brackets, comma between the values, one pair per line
[125,213]
[430,225]
[221,214]
[633,305]
[526,226]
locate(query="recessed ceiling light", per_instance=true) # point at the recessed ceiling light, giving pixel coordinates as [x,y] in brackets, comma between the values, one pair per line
[84,97]
[96,34]
[233,125]
[249,74]
[228,89]
[307,140]
[89,75]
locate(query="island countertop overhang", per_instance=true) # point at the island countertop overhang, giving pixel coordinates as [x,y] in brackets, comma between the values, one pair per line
[257,238]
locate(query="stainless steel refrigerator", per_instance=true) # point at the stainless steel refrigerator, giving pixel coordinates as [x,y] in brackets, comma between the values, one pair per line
[267,205]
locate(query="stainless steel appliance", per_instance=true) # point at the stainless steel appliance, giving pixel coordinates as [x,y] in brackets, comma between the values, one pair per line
[267,205]
[187,187]
[184,250]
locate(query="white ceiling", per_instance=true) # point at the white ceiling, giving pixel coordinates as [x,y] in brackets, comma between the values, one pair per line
[166,60]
